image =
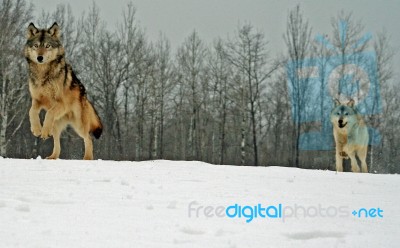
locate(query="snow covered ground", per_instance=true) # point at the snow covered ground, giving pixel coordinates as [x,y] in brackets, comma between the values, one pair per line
[166,203]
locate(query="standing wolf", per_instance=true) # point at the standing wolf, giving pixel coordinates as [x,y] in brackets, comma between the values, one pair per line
[351,136]
[55,88]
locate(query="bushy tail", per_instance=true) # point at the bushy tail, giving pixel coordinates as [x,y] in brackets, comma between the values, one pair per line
[97,132]
[96,127]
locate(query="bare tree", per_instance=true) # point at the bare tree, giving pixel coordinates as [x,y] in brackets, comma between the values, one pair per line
[13,83]
[348,43]
[279,121]
[179,117]
[130,35]
[297,39]
[111,75]
[389,94]
[143,60]
[221,75]
[191,66]
[248,54]
[92,28]
[163,74]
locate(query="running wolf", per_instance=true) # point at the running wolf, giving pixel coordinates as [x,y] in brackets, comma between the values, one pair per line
[55,88]
[351,136]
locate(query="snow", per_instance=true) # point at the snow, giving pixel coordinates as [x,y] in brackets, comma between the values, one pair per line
[66,203]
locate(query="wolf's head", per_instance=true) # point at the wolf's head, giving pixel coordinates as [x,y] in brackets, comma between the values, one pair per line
[43,45]
[343,114]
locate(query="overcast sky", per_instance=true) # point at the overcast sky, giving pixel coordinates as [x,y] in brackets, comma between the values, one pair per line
[218,18]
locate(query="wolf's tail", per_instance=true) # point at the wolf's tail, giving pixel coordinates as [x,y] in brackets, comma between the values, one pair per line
[96,127]
[97,132]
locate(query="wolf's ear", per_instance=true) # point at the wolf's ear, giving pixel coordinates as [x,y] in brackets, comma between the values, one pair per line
[54,30]
[351,103]
[31,31]
[337,102]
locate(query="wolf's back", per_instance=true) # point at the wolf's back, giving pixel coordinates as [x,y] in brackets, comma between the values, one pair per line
[96,127]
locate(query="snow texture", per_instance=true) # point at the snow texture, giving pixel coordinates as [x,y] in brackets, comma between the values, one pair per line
[147,204]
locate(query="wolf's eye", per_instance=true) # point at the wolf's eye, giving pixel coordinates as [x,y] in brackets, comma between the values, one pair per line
[48,45]
[346,113]
[36,46]
[337,113]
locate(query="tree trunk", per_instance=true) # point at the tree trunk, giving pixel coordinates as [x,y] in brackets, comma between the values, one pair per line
[155,139]
[3,141]
[3,117]
[254,129]
[222,138]
[161,148]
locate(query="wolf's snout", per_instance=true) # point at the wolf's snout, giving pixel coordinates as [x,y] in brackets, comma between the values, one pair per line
[341,123]
[40,59]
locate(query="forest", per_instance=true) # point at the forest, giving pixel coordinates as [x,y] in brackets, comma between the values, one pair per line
[229,101]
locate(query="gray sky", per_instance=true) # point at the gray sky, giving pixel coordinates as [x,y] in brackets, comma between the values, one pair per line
[218,18]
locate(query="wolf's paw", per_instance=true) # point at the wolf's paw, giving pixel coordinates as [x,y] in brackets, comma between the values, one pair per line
[88,157]
[355,169]
[36,131]
[52,157]
[45,133]
[339,167]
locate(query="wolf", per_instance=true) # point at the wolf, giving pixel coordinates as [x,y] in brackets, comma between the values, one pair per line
[351,136]
[55,88]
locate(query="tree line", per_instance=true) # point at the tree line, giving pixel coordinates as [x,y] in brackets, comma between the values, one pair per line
[226,102]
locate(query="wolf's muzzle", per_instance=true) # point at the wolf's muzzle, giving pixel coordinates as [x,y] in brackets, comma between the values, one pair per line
[40,59]
[341,125]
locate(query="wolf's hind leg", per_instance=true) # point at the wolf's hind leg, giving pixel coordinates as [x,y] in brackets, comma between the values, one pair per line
[362,155]
[82,128]
[88,147]
[84,134]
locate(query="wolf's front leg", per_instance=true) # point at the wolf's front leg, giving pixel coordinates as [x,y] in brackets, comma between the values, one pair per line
[52,114]
[354,165]
[349,149]
[34,119]
[339,161]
